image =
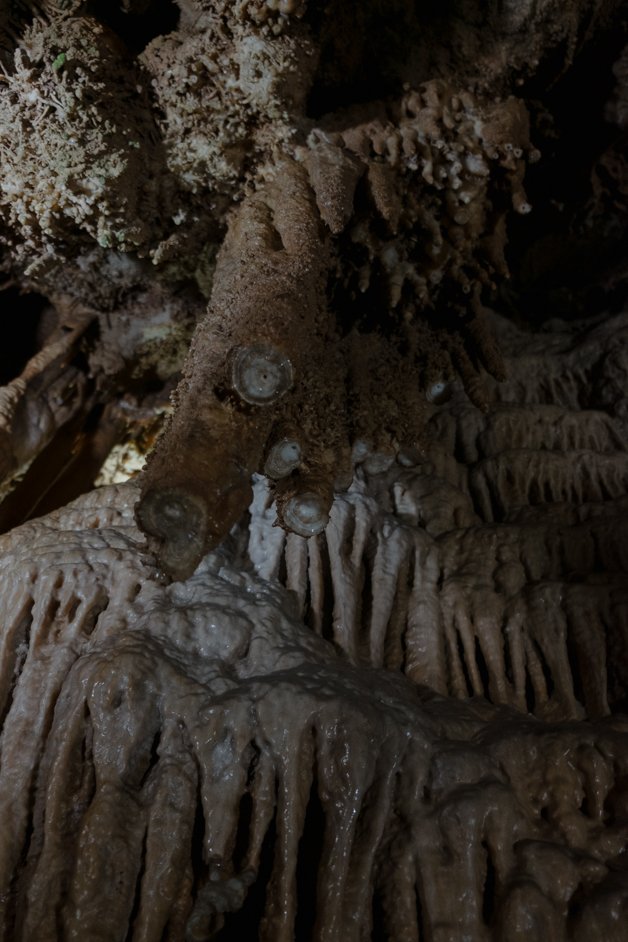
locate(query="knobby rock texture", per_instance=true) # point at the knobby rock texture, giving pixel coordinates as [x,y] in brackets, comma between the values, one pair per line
[348,659]
[333,181]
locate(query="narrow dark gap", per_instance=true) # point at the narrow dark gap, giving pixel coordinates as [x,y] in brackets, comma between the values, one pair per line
[153,758]
[403,644]
[137,896]
[244,924]
[282,572]
[51,611]
[349,525]
[245,816]
[575,670]
[90,619]
[508,666]
[254,753]
[307,596]
[548,494]
[400,625]
[574,909]
[460,453]
[366,596]
[420,920]
[535,493]
[482,669]
[529,692]
[615,801]
[72,608]
[463,664]
[379,933]
[496,509]
[309,861]
[197,851]
[547,674]
[25,314]
[136,29]
[327,614]
[488,894]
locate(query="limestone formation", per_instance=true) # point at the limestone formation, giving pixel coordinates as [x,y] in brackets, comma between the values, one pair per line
[191,762]
[348,659]
[223,157]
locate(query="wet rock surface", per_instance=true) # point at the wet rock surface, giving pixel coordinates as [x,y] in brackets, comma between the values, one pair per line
[191,762]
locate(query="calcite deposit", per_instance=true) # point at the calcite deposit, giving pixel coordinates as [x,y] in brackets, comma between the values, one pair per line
[341,201]
[348,659]
[192,762]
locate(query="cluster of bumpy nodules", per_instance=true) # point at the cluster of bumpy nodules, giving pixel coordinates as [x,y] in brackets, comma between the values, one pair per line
[59,110]
[261,376]
[271,13]
[429,231]
[409,200]
[443,170]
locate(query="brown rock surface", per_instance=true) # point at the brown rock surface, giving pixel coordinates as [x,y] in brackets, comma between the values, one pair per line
[336,180]
[189,762]
[411,725]
[497,565]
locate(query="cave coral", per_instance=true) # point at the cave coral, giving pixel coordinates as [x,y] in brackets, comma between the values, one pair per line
[354,244]
[405,207]
[60,111]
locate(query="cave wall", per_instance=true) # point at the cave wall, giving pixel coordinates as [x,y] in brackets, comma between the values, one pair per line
[371,258]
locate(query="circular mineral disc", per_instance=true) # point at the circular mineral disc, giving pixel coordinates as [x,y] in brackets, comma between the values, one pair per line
[261,374]
[439,392]
[283,458]
[306,514]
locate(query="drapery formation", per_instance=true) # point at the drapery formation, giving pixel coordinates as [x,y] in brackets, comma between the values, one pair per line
[191,762]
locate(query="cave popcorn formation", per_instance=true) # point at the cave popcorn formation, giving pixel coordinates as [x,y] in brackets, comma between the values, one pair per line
[346,242]
[398,713]
[288,241]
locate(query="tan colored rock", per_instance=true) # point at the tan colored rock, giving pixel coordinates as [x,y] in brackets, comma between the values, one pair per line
[177,760]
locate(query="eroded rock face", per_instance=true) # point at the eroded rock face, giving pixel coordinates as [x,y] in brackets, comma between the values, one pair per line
[408,726]
[324,189]
[496,565]
[191,762]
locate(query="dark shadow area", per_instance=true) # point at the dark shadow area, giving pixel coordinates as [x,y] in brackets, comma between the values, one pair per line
[364,47]
[145,20]
[565,254]
[24,313]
